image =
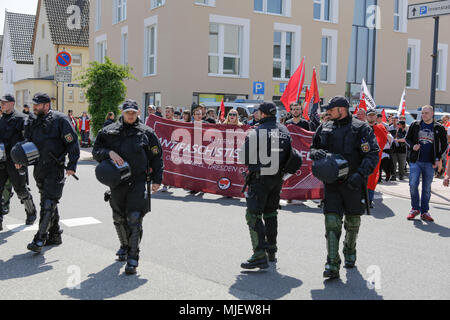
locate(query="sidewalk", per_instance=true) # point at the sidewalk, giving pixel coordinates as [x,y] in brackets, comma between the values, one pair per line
[439,193]
[86,154]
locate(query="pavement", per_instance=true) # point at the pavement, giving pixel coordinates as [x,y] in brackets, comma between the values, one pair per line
[193,246]
[439,193]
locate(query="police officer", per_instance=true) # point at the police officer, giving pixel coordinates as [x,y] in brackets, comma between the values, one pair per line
[355,141]
[264,180]
[54,136]
[132,142]
[11,132]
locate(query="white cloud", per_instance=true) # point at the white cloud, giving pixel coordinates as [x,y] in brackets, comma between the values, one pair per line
[22,6]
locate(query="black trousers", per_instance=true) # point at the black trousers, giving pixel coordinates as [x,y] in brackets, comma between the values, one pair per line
[18,181]
[340,199]
[50,182]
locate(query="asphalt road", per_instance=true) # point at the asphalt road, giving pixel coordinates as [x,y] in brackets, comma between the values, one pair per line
[193,246]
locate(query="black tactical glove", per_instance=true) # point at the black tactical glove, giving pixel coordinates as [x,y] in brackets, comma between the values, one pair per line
[318,154]
[355,181]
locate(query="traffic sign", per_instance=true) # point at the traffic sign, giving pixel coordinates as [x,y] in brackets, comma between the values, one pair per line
[428,9]
[63,74]
[258,88]
[64,59]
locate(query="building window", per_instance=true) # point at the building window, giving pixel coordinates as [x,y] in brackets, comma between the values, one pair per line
[279,7]
[81,96]
[282,54]
[119,10]
[325,59]
[76,59]
[328,56]
[441,70]
[156,3]
[211,3]
[413,64]
[70,95]
[326,10]
[43,31]
[101,48]
[286,50]
[39,67]
[150,50]
[400,15]
[98,14]
[225,47]
[124,48]
[46,62]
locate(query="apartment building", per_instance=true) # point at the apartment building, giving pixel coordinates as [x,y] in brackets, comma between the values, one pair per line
[192,51]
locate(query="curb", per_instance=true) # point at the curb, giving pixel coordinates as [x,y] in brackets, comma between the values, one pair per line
[403,196]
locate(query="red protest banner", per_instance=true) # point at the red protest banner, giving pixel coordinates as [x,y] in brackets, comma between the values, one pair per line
[204,158]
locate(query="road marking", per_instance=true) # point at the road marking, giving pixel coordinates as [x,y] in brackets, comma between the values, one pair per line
[78,222]
[21,227]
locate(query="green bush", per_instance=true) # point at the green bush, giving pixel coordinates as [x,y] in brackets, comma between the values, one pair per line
[106,90]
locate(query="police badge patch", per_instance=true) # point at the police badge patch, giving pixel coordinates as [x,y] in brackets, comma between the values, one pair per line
[155,150]
[365,147]
[68,138]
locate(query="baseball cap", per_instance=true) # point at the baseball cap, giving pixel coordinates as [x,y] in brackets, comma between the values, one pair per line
[130,105]
[370,111]
[268,108]
[337,101]
[40,97]
[8,98]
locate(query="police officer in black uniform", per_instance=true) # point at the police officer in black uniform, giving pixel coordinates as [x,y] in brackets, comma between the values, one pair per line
[264,180]
[355,141]
[132,142]
[54,136]
[11,132]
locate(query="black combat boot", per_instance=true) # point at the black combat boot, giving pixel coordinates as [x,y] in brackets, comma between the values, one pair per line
[132,264]
[54,239]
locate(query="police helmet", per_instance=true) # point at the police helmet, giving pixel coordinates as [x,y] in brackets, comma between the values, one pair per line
[330,169]
[25,154]
[110,174]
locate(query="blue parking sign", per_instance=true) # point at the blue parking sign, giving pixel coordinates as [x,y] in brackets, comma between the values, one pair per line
[258,88]
[423,10]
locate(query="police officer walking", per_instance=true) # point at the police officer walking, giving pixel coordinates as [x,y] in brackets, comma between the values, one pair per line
[11,132]
[354,142]
[53,135]
[129,143]
[264,181]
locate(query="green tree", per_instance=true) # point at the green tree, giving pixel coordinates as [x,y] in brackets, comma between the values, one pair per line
[105,89]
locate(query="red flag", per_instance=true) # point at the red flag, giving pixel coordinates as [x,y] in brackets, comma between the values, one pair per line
[356,111]
[306,105]
[384,118]
[362,102]
[294,87]
[222,111]
[313,96]
[402,107]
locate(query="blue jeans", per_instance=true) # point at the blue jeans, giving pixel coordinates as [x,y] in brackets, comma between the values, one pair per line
[426,170]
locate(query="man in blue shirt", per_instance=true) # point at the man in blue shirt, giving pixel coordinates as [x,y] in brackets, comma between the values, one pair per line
[427,142]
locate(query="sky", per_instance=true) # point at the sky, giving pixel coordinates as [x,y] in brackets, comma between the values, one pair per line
[18,6]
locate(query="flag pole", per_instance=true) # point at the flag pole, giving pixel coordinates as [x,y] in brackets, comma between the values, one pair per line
[301,77]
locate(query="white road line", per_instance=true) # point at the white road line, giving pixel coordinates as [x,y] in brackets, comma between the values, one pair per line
[78,222]
[21,227]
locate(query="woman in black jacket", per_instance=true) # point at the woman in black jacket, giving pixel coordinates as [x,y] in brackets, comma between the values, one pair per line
[109,119]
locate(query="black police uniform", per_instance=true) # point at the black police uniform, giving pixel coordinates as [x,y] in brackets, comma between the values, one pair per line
[138,145]
[11,132]
[356,142]
[55,138]
[264,188]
